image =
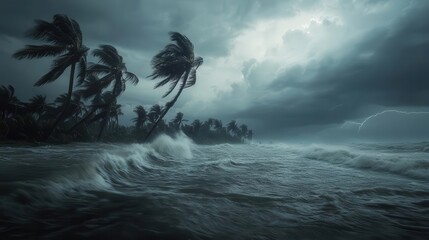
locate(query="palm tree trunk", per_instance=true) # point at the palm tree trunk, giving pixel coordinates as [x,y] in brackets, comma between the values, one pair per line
[112,100]
[84,119]
[168,106]
[103,124]
[66,106]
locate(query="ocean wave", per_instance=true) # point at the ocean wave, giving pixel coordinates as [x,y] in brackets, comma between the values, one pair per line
[409,165]
[178,146]
[422,147]
[120,166]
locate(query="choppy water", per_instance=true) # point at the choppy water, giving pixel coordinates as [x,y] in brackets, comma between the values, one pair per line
[173,189]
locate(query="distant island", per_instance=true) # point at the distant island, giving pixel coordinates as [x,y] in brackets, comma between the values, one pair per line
[89,110]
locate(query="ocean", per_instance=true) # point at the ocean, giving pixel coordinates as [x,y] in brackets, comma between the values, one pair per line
[174,189]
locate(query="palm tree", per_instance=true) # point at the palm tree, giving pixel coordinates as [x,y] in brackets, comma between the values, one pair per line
[65,38]
[196,126]
[90,88]
[112,71]
[9,103]
[38,106]
[154,113]
[141,116]
[249,135]
[243,130]
[115,112]
[177,121]
[233,128]
[217,124]
[77,106]
[109,71]
[175,63]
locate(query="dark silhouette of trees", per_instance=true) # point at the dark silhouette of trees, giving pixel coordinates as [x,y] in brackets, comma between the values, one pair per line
[175,64]
[154,113]
[29,121]
[9,104]
[141,118]
[39,107]
[93,108]
[111,72]
[176,122]
[233,128]
[65,42]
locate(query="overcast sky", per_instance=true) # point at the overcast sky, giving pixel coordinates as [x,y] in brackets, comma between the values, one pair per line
[289,69]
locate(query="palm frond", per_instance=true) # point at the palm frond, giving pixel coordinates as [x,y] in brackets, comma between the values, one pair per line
[33,51]
[38,99]
[107,55]
[48,32]
[77,31]
[172,86]
[131,77]
[198,62]
[93,88]
[82,71]
[97,69]
[61,99]
[184,43]
[171,71]
[99,116]
[106,80]
[192,79]
[59,66]
[65,25]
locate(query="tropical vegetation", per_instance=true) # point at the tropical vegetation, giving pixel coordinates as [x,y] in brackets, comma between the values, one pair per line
[89,110]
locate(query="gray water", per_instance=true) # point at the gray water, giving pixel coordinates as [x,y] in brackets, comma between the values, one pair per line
[174,189]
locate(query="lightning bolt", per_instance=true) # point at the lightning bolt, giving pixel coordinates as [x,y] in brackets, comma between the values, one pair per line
[362,124]
[349,123]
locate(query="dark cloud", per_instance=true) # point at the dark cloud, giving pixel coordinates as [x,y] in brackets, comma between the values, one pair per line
[385,65]
[388,67]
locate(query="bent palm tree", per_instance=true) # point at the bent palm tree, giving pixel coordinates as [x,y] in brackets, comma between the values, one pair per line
[177,121]
[111,71]
[90,88]
[38,106]
[154,113]
[65,38]
[243,131]
[141,116]
[175,63]
[233,128]
[9,103]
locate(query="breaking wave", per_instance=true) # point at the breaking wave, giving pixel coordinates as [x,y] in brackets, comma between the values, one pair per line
[410,165]
[121,166]
[172,188]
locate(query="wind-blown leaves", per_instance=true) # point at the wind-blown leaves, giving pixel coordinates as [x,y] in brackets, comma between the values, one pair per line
[65,38]
[173,64]
[141,116]
[39,51]
[109,71]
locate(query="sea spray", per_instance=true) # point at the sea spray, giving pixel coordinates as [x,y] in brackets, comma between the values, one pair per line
[178,146]
[375,161]
[174,189]
[118,165]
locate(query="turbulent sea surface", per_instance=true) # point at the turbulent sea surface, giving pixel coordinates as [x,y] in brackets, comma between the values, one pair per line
[174,189]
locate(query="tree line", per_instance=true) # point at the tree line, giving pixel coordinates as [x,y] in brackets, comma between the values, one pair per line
[89,109]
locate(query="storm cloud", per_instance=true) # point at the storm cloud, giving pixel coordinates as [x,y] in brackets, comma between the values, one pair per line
[284,67]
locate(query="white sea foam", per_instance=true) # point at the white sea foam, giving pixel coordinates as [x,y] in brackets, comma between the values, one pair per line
[409,164]
[179,146]
[117,165]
